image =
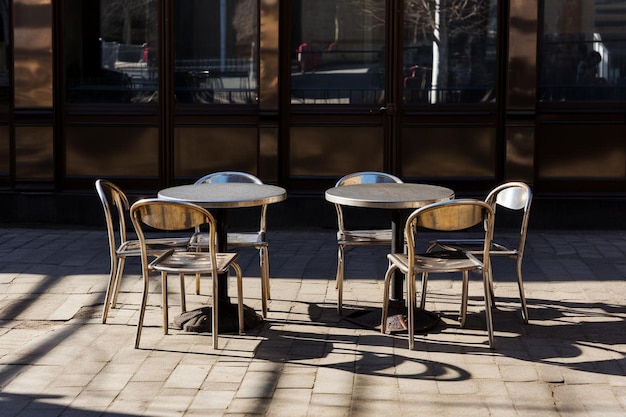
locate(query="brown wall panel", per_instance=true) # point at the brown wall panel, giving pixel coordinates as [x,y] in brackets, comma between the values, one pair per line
[581,151]
[335,151]
[520,151]
[268,150]
[201,150]
[448,152]
[112,151]
[34,156]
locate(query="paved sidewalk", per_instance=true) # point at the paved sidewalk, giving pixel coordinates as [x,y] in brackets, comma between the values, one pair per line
[57,359]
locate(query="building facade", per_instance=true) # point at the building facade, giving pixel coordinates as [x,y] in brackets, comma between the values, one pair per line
[466,94]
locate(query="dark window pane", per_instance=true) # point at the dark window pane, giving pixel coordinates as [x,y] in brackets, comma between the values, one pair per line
[582,50]
[110,51]
[449,51]
[216,51]
[338,51]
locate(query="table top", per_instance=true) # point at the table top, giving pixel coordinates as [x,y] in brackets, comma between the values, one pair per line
[388,195]
[225,195]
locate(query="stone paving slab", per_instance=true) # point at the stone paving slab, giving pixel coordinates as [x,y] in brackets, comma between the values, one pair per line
[57,359]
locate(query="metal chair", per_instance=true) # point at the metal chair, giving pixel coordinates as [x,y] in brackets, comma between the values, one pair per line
[515,196]
[235,240]
[363,237]
[452,215]
[177,216]
[116,206]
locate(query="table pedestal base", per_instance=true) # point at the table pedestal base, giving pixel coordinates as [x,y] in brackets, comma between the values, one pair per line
[199,320]
[396,320]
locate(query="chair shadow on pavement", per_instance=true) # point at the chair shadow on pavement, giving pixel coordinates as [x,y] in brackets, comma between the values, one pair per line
[13,404]
[557,334]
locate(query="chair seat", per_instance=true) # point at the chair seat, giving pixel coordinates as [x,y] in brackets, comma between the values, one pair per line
[192,262]
[474,246]
[364,237]
[252,239]
[446,261]
[155,246]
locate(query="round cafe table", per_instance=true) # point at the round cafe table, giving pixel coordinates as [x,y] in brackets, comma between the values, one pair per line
[218,197]
[397,197]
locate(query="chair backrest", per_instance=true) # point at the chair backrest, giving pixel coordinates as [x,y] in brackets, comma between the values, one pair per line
[363,177]
[513,196]
[229,176]
[237,176]
[450,215]
[170,216]
[367,177]
[115,205]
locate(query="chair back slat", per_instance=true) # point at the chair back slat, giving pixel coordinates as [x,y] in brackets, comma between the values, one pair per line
[512,195]
[229,176]
[367,177]
[451,217]
[115,205]
[169,215]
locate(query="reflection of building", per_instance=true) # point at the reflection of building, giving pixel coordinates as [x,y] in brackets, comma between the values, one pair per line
[217,85]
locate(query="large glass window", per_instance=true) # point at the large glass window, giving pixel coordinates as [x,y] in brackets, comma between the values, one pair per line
[449,51]
[110,51]
[582,50]
[338,51]
[216,51]
[4,47]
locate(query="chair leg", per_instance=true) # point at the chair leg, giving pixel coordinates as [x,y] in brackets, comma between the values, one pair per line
[424,285]
[383,321]
[198,277]
[464,296]
[492,293]
[522,296]
[118,281]
[165,306]
[410,278]
[339,278]
[142,309]
[265,269]
[183,296]
[109,291]
[340,253]
[214,309]
[240,314]
[265,282]
[488,312]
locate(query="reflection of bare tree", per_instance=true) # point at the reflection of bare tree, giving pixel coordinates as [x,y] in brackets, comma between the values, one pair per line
[439,23]
[245,22]
[128,21]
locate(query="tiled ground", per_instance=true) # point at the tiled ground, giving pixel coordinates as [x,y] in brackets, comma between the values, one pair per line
[57,359]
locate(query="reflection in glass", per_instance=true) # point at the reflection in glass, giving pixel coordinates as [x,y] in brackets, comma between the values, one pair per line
[338,51]
[110,51]
[216,51]
[4,47]
[582,50]
[449,51]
